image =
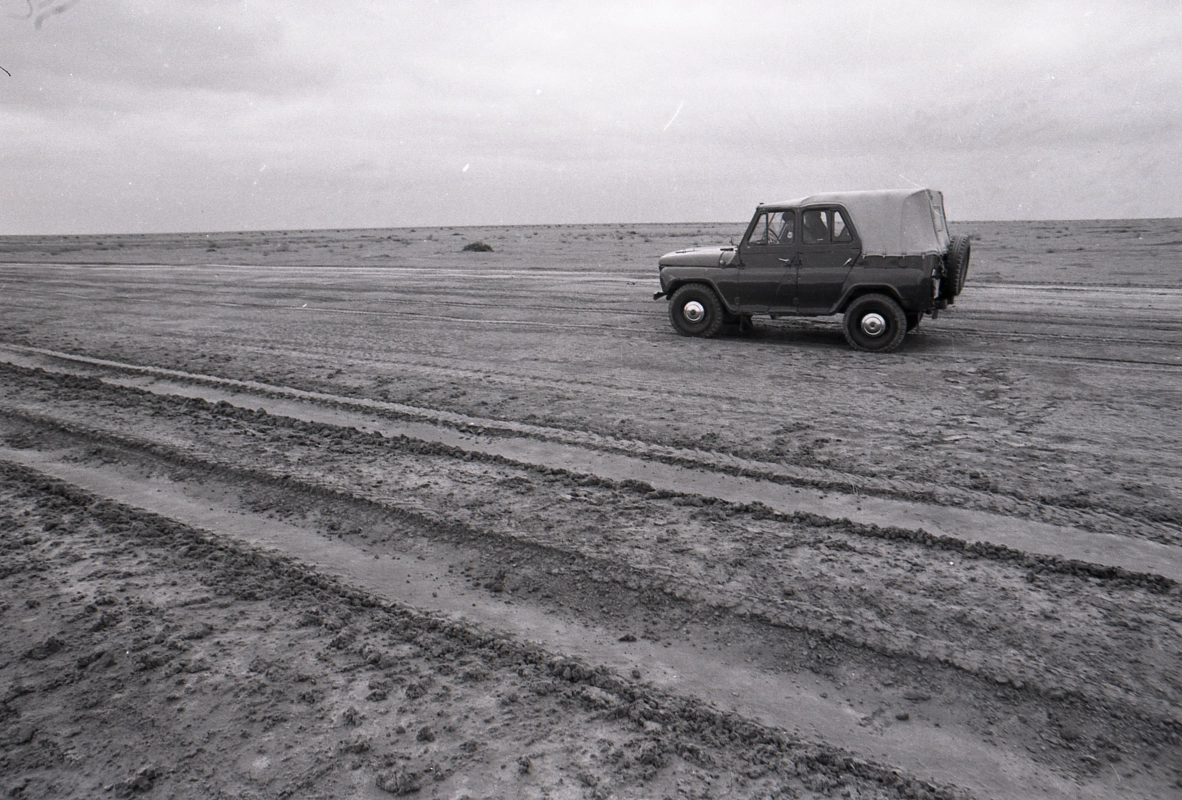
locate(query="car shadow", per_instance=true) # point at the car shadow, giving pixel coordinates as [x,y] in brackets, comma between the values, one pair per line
[803,331]
[825,333]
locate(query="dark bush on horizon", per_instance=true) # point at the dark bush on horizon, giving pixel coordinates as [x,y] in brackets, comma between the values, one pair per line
[478,247]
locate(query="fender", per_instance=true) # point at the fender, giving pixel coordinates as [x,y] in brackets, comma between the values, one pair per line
[674,277]
[857,289]
[681,280]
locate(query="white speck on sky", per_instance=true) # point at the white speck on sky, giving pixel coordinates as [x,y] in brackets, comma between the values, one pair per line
[680,106]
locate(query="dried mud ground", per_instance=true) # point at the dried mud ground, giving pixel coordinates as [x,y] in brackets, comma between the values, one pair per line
[360,514]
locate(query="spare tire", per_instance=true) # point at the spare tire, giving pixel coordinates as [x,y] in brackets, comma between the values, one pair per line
[956,267]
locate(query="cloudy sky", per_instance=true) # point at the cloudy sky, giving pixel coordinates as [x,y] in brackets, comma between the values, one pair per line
[199,115]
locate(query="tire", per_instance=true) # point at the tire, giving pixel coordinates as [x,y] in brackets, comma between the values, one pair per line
[695,310]
[913,318]
[956,267]
[875,323]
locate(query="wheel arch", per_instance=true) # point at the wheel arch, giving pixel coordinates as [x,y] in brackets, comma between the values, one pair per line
[856,291]
[677,283]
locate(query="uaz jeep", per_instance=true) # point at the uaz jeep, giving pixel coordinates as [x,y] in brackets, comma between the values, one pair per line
[882,258]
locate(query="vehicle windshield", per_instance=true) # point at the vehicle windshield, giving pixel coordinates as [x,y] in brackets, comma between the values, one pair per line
[773,227]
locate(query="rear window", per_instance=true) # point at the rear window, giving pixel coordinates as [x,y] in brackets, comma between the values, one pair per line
[841,231]
[938,214]
[825,225]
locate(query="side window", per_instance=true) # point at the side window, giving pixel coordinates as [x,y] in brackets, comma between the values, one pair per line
[841,231]
[816,226]
[787,227]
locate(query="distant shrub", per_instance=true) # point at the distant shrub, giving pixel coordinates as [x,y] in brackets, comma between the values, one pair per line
[478,247]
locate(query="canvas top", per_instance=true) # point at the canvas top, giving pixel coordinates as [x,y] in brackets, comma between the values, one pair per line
[890,222]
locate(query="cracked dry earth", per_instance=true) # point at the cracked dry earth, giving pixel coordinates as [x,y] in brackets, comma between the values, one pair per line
[355,514]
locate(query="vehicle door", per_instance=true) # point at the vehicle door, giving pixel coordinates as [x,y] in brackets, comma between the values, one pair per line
[767,274]
[829,246]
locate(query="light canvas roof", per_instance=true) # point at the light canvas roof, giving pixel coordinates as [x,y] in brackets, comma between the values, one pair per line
[890,222]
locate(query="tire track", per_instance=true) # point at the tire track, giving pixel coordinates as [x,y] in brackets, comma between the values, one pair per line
[722,476]
[1125,324]
[701,673]
[740,402]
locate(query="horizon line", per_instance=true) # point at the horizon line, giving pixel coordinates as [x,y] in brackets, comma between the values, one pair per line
[530,225]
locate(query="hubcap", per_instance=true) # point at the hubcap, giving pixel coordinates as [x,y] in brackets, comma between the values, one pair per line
[694,311]
[873,324]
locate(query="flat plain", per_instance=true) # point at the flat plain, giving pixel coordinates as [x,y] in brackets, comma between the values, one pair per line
[360,513]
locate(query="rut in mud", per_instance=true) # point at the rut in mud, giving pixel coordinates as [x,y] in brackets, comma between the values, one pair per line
[978,629]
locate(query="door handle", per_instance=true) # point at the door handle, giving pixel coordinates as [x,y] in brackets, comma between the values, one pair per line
[785,260]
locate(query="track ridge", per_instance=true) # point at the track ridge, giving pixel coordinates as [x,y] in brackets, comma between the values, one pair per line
[718,461]
[1038,563]
[916,535]
[746,609]
[576,564]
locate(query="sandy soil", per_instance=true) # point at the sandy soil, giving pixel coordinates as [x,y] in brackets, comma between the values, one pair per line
[317,514]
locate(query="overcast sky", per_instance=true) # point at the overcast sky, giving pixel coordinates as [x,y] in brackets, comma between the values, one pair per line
[201,115]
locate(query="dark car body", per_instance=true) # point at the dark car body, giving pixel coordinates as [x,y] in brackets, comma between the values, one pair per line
[818,254]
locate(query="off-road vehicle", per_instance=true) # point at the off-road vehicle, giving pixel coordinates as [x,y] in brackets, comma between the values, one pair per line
[884,259]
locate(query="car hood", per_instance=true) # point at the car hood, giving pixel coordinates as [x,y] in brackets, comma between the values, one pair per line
[700,257]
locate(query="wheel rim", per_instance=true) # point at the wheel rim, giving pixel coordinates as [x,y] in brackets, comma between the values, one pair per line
[873,324]
[694,311]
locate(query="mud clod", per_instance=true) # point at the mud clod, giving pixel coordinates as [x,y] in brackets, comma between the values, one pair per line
[398,781]
[140,784]
[45,649]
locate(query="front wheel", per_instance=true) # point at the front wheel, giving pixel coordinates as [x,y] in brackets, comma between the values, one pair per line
[875,323]
[695,310]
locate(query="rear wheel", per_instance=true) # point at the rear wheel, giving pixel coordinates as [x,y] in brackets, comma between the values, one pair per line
[956,267]
[695,310]
[875,323]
